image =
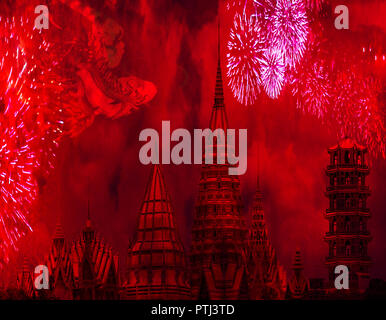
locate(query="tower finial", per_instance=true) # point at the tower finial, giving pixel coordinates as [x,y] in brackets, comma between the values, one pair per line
[219,91]
[218,37]
[88,209]
[258,166]
[59,233]
[88,222]
[218,118]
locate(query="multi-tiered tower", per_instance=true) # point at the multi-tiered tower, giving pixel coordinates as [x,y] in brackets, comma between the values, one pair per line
[59,267]
[218,233]
[266,277]
[348,213]
[298,285]
[95,270]
[157,267]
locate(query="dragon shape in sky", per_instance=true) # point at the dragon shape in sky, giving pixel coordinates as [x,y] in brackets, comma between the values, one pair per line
[98,90]
[52,85]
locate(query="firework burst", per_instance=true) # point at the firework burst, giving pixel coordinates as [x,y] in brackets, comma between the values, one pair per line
[272,72]
[357,109]
[312,89]
[311,83]
[245,49]
[18,158]
[289,30]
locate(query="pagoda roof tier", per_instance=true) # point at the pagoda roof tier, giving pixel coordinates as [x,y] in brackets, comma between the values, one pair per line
[347,143]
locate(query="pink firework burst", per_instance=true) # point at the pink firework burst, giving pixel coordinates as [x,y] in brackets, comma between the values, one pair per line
[289,30]
[272,72]
[245,49]
[313,91]
[311,83]
[358,109]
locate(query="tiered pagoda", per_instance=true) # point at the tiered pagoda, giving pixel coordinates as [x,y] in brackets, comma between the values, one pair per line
[348,214]
[219,234]
[267,279]
[298,285]
[59,267]
[157,266]
[94,267]
[24,281]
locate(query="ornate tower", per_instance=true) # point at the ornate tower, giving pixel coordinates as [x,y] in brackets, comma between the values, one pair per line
[59,266]
[157,267]
[266,277]
[348,214]
[94,267]
[218,232]
[258,233]
[24,280]
[298,286]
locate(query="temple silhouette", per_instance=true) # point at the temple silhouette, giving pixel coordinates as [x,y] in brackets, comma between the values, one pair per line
[230,257]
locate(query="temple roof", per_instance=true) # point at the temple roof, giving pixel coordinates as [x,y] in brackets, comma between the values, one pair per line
[347,143]
[156,260]
[156,229]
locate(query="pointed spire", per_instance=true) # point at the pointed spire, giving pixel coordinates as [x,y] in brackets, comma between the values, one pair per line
[258,165]
[219,118]
[88,221]
[156,188]
[219,92]
[59,232]
[26,265]
[88,231]
[156,256]
[298,261]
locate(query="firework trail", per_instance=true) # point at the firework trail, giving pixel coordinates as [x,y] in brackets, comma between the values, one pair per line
[289,30]
[18,158]
[311,84]
[272,72]
[50,89]
[357,109]
[245,50]
[260,42]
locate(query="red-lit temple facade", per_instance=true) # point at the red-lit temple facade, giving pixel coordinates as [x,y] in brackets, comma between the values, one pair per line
[230,257]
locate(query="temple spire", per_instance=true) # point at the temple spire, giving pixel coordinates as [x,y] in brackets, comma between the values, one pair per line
[156,258]
[297,261]
[298,285]
[88,221]
[88,209]
[88,230]
[218,117]
[59,233]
